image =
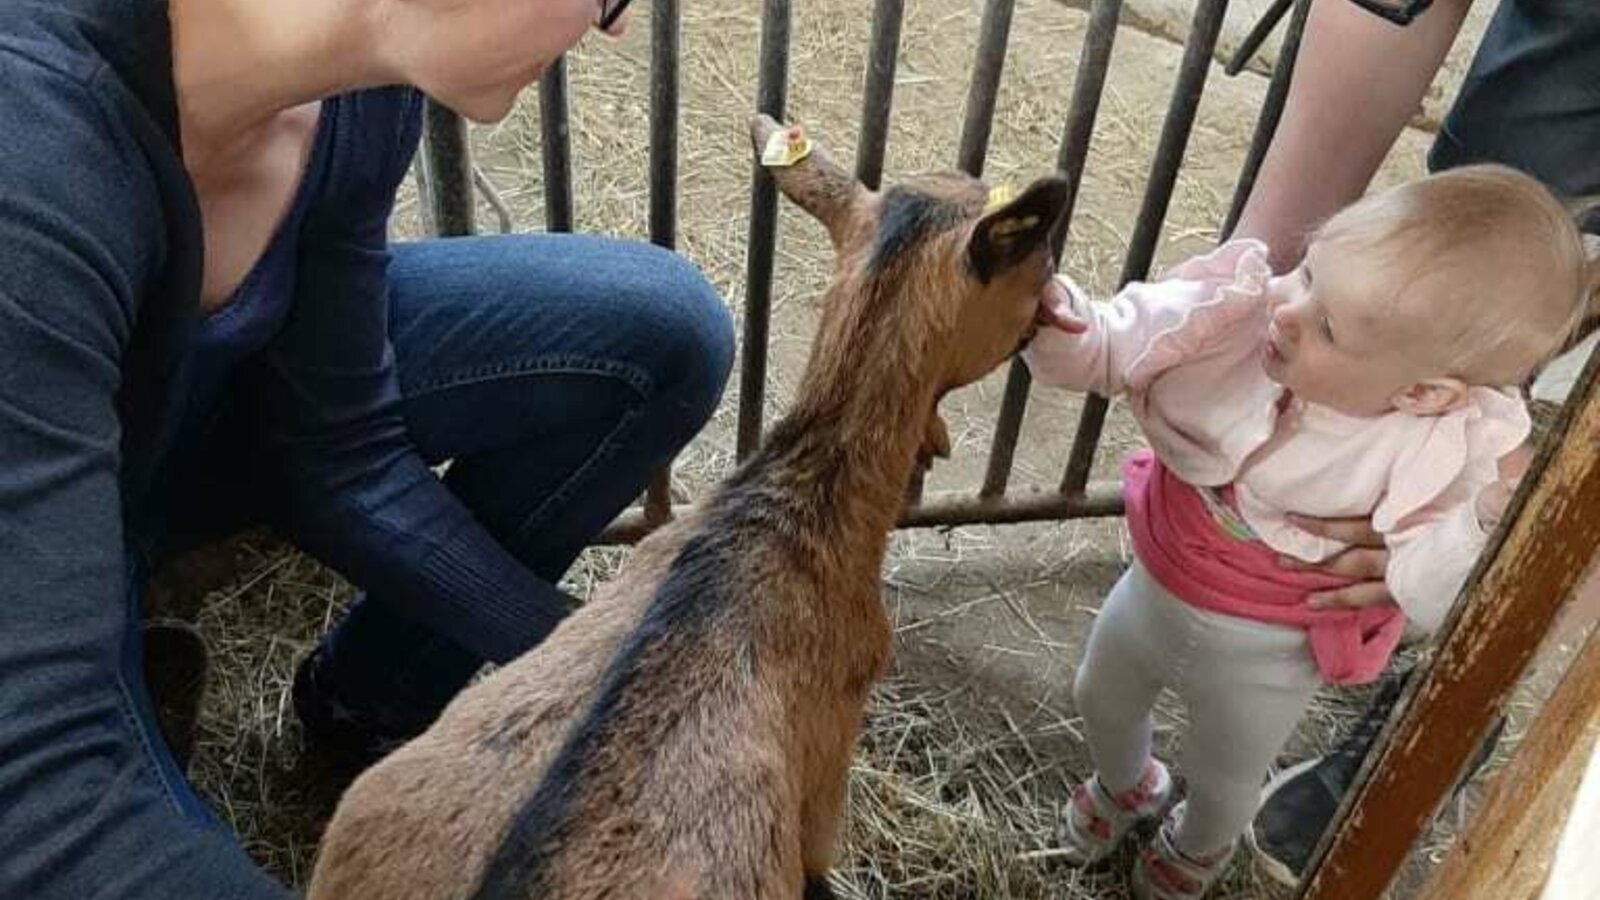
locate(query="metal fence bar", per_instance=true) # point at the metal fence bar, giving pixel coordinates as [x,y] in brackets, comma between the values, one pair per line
[451,206]
[449,168]
[1174,140]
[946,508]
[993,34]
[664,82]
[1088,88]
[556,137]
[1271,112]
[1093,62]
[887,16]
[771,97]
[665,29]
[1258,35]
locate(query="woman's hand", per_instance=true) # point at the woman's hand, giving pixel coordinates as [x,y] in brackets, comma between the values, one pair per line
[1491,502]
[1365,560]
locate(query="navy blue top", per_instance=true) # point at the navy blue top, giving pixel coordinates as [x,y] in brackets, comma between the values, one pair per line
[109,375]
[236,332]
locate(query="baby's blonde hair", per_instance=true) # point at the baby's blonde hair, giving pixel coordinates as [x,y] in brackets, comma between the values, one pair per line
[1487,243]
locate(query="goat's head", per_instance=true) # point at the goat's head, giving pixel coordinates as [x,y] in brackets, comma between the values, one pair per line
[963,277]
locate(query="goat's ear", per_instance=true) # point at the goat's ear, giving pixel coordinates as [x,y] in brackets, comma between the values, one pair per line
[816,183]
[1012,233]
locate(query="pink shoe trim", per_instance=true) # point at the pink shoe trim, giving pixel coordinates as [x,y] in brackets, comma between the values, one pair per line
[1094,823]
[1137,798]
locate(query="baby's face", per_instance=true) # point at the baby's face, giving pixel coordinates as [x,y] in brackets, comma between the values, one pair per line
[1327,339]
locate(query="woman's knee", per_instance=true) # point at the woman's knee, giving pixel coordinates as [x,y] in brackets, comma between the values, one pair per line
[693,336]
[466,303]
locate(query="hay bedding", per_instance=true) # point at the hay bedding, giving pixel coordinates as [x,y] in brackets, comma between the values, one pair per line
[972,745]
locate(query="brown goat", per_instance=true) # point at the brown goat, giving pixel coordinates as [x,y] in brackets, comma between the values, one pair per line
[688,733]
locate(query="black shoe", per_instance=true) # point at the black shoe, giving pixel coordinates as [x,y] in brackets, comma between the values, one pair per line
[347,741]
[1299,802]
[175,666]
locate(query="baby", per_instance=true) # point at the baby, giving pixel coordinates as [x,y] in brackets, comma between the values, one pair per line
[1374,380]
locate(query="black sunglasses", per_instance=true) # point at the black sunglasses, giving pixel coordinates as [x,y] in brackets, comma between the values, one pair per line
[1400,12]
[611,10]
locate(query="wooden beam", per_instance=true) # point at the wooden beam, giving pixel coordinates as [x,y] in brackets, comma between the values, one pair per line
[1507,852]
[1511,600]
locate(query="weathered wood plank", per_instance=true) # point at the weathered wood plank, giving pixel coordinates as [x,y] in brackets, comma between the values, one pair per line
[1512,599]
[1508,851]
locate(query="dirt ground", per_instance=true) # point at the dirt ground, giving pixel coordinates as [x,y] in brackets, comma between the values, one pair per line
[975,739]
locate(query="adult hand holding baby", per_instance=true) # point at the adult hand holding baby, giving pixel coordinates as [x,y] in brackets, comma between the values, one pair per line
[1365,559]
[1492,501]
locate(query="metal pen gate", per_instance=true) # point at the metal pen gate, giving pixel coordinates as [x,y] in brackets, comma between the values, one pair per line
[451,203]
[1515,591]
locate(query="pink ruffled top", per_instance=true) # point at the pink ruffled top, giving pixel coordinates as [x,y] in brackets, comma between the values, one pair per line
[1186,353]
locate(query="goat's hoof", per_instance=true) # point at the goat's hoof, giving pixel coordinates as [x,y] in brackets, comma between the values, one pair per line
[817,888]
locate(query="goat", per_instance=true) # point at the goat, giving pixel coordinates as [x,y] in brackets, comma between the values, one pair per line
[688,733]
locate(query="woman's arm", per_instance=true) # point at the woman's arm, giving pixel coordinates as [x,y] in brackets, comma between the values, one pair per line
[85,806]
[356,492]
[1357,82]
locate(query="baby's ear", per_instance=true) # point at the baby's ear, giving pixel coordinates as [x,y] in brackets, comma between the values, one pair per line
[1431,397]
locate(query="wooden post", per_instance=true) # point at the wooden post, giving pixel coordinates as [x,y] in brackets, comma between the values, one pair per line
[1507,852]
[1511,600]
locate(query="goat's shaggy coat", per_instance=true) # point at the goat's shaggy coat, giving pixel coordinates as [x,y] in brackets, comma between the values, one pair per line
[688,733]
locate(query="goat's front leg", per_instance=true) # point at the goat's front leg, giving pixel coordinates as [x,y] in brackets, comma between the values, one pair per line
[935,441]
[824,806]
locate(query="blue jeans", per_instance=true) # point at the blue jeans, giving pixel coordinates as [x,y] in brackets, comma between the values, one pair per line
[557,373]
[1531,99]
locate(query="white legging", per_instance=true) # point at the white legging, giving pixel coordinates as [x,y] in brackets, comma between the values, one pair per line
[1245,684]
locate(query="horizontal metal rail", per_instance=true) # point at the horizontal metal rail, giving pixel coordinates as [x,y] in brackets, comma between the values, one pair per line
[947,508]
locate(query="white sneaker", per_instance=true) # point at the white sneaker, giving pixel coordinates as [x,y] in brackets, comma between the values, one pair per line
[1163,872]
[1096,821]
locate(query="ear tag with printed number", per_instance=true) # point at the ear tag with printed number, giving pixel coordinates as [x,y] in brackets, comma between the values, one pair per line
[786,147]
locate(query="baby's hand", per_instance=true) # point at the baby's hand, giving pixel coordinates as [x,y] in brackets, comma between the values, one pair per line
[1055,309]
[1492,501]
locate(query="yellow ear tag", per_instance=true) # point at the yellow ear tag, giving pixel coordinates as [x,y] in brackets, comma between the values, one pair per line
[786,147]
[999,196]
[1007,227]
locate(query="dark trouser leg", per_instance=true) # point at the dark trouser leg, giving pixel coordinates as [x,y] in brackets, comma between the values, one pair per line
[557,374]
